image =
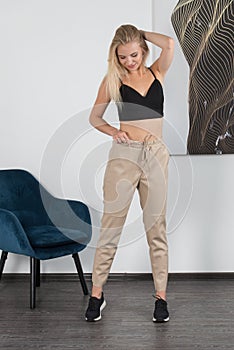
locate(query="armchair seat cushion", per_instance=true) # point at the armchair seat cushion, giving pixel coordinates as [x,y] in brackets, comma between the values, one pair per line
[45,236]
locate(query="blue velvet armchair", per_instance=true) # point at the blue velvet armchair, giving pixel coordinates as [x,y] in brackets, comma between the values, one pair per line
[38,225]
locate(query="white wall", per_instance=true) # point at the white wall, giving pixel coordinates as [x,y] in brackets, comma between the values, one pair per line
[53,56]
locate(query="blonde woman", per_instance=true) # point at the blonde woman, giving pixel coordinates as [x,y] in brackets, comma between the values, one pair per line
[138,158]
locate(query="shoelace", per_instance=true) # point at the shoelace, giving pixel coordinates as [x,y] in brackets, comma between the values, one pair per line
[158,298]
[161,304]
[93,303]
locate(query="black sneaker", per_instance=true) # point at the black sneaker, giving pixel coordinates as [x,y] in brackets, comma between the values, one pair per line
[161,313]
[93,312]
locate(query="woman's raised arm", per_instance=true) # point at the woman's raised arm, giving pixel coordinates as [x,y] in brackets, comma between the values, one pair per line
[166,43]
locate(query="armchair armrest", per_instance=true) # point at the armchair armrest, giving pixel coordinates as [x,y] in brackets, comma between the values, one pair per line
[12,235]
[70,214]
[81,210]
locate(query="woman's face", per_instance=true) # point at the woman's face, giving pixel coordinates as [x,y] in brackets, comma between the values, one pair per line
[130,55]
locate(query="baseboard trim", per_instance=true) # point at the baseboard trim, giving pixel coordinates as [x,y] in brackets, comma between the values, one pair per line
[126,276]
[201,275]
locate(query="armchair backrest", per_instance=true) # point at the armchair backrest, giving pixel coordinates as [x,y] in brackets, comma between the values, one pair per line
[20,192]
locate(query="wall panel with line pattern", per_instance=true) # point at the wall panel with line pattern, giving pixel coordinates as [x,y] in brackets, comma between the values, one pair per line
[205,30]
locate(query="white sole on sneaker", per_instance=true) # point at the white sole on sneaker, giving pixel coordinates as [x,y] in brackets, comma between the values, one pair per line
[165,320]
[99,317]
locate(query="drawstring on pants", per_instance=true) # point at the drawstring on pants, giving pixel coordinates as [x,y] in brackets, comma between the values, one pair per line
[147,146]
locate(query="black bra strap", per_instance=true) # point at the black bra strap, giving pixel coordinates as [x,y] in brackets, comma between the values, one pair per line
[152,72]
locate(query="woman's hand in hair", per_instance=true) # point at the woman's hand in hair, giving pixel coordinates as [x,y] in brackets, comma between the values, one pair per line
[166,43]
[142,33]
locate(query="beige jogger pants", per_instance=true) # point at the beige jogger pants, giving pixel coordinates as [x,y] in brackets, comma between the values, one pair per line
[141,165]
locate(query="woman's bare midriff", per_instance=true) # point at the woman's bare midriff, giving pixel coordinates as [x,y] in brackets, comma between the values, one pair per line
[138,129]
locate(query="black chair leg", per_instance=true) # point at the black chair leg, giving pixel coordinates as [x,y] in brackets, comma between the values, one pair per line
[38,272]
[80,273]
[2,262]
[32,283]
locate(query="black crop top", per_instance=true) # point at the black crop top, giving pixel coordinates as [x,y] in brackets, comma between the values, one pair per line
[135,106]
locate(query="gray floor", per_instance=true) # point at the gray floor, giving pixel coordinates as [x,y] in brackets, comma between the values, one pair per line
[201,315]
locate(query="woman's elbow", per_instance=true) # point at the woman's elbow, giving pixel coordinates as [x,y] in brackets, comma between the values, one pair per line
[91,120]
[93,117]
[95,121]
[170,43]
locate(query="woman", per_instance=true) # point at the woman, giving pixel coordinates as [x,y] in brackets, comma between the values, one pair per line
[138,157]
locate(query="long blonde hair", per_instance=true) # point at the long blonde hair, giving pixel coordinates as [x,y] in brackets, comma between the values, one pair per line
[123,35]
